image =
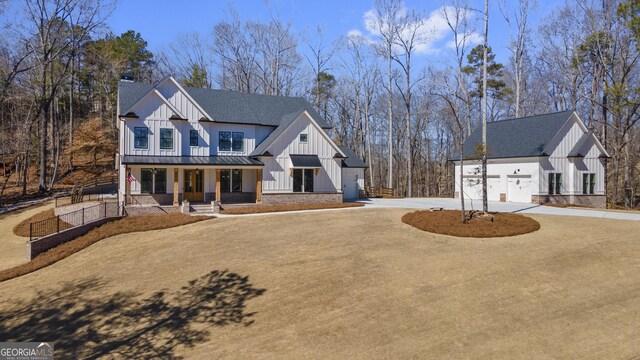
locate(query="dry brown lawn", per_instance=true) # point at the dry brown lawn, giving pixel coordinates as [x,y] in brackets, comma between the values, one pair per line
[259,209]
[122,226]
[356,284]
[449,222]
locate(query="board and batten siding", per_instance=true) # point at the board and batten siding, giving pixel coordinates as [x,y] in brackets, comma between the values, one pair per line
[277,176]
[572,169]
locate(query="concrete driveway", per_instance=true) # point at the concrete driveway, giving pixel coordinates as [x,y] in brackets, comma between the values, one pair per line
[454,204]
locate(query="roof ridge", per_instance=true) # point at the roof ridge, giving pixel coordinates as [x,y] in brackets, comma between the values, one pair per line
[244,93]
[529,116]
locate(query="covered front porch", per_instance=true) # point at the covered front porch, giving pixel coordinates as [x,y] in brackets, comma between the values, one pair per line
[159,182]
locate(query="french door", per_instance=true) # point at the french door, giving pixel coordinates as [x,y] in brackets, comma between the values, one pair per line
[193,185]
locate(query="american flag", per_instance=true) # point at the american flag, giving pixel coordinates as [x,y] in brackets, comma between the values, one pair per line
[130,178]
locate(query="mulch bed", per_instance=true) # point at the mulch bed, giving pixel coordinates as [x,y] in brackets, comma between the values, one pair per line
[123,226]
[258,209]
[449,222]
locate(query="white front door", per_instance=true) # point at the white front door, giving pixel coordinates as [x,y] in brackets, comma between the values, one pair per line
[519,189]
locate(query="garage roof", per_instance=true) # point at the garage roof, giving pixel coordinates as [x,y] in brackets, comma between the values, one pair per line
[519,137]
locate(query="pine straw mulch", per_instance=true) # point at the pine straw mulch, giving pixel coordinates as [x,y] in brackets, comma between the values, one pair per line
[449,222]
[125,225]
[22,229]
[259,209]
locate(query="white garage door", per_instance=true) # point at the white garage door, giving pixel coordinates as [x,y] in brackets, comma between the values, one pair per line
[473,188]
[519,189]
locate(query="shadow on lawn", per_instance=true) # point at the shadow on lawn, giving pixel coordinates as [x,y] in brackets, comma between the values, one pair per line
[84,324]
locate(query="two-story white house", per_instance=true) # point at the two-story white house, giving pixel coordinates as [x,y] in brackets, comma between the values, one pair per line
[548,158]
[207,145]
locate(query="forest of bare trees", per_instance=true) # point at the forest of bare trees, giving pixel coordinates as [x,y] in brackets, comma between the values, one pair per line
[59,68]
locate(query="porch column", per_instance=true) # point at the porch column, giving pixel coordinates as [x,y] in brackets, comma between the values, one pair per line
[127,186]
[217,186]
[259,186]
[176,187]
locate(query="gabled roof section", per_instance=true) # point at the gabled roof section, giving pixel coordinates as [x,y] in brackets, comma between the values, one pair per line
[519,137]
[240,108]
[129,93]
[285,124]
[227,106]
[582,146]
[352,160]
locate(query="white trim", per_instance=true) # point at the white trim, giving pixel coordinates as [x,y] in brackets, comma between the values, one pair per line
[321,130]
[164,100]
[185,93]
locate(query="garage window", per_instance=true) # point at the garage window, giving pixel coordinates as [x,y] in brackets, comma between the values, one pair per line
[555,183]
[588,184]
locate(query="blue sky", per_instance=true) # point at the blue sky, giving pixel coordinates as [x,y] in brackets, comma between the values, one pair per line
[160,21]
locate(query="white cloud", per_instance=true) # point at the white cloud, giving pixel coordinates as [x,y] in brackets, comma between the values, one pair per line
[430,31]
[355,33]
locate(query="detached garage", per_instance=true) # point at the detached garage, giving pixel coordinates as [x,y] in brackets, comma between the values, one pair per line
[534,159]
[352,175]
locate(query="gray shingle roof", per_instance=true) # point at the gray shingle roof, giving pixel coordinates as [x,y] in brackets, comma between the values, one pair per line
[520,137]
[190,160]
[129,93]
[352,160]
[230,106]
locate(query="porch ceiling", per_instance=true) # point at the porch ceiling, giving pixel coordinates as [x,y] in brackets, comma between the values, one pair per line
[190,160]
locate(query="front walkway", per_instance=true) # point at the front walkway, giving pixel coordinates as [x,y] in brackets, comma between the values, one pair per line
[454,204]
[13,250]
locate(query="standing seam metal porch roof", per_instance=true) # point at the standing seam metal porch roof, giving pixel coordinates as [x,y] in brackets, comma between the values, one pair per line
[190,160]
[305,161]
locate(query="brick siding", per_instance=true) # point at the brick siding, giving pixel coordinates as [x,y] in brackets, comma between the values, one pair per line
[301,198]
[595,201]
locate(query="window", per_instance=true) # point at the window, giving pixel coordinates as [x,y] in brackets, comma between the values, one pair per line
[303,180]
[555,183]
[225,180]
[160,186]
[236,180]
[224,141]
[230,141]
[141,138]
[588,184]
[303,138]
[237,142]
[231,180]
[193,137]
[146,181]
[153,181]
[166,139]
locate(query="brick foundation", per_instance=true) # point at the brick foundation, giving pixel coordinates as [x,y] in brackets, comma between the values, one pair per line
[153,199]
[151,210]
[595,201]
[301,198]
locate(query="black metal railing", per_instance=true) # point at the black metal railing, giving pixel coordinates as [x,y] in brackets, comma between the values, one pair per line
[67,200]
[73,219]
